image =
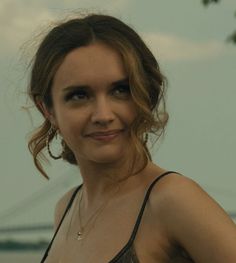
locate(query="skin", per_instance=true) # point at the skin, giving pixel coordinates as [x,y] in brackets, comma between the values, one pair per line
[179,216]
[99,107]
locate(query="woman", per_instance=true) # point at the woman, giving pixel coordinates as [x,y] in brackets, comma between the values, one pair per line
[100,88]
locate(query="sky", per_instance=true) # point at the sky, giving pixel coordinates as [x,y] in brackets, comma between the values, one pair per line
[188,41]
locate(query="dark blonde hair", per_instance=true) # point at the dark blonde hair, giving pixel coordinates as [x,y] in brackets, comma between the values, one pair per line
[147,84]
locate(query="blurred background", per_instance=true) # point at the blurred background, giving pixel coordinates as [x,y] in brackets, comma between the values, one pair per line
[188,38]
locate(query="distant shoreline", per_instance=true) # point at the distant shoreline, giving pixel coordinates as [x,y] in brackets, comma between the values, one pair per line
[13,245]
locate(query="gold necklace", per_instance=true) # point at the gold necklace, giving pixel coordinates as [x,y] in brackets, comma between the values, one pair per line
[81,233]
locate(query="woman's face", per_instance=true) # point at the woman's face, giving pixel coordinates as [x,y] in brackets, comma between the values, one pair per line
[92,105]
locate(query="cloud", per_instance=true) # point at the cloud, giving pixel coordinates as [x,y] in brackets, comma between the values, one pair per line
[18,21]
[99,4]
[169,47]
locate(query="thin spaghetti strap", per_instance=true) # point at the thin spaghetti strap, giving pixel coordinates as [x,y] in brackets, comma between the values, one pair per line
[62,219]
[144,204]
[136,226]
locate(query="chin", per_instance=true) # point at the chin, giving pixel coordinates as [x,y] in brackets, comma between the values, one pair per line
[107,159]
[107,156]
[104,153]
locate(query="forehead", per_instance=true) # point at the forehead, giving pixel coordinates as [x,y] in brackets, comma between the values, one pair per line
[94,64]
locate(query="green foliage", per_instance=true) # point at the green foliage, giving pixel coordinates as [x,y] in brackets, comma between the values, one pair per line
[230,38]
[207,2]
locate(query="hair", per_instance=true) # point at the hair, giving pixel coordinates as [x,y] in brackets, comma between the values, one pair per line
[147,83]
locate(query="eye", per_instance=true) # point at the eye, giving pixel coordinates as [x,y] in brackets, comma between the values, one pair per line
[77,95]
[122,90]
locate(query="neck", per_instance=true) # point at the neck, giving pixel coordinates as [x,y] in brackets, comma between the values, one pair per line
[101,180]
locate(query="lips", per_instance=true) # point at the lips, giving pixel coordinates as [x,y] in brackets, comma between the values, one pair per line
[104,133]
[105,136]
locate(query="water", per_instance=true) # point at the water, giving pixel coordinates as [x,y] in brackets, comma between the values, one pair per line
[21,257]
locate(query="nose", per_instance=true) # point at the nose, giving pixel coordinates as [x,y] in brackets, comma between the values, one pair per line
[102,112]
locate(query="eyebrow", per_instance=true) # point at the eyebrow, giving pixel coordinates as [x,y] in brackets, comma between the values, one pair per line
[113,84]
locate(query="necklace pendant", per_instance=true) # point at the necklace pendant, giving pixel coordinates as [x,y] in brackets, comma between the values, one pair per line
[79,235]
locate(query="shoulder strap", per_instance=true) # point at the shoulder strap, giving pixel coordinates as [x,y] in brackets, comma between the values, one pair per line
[136,226]
[62,219]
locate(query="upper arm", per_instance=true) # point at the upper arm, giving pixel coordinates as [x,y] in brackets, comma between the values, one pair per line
[61,207]
[196,222]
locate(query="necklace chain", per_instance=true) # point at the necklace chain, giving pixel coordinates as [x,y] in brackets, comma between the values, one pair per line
[94,216]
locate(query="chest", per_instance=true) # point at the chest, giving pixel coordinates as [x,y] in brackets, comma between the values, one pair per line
[109,233]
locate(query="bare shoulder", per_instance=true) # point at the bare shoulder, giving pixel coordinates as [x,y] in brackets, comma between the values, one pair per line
[172,192]
[178,193]
[193,219]
[174,189]
[61,206]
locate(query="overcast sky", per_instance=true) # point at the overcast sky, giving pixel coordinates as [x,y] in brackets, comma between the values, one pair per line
[187,39]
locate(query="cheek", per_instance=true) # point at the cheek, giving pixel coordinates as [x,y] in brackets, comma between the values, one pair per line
[71,132]
[70,123]
[130,112]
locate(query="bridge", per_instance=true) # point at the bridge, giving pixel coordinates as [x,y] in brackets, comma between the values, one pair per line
[24,229]
[47,227]
[43,195]
[34,213]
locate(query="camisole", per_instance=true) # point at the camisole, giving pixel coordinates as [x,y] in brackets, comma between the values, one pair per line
[127,254]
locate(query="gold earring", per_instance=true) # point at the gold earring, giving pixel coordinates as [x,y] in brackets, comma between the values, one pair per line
[51,133]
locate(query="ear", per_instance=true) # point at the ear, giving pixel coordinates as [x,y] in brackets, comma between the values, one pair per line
[48,114]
